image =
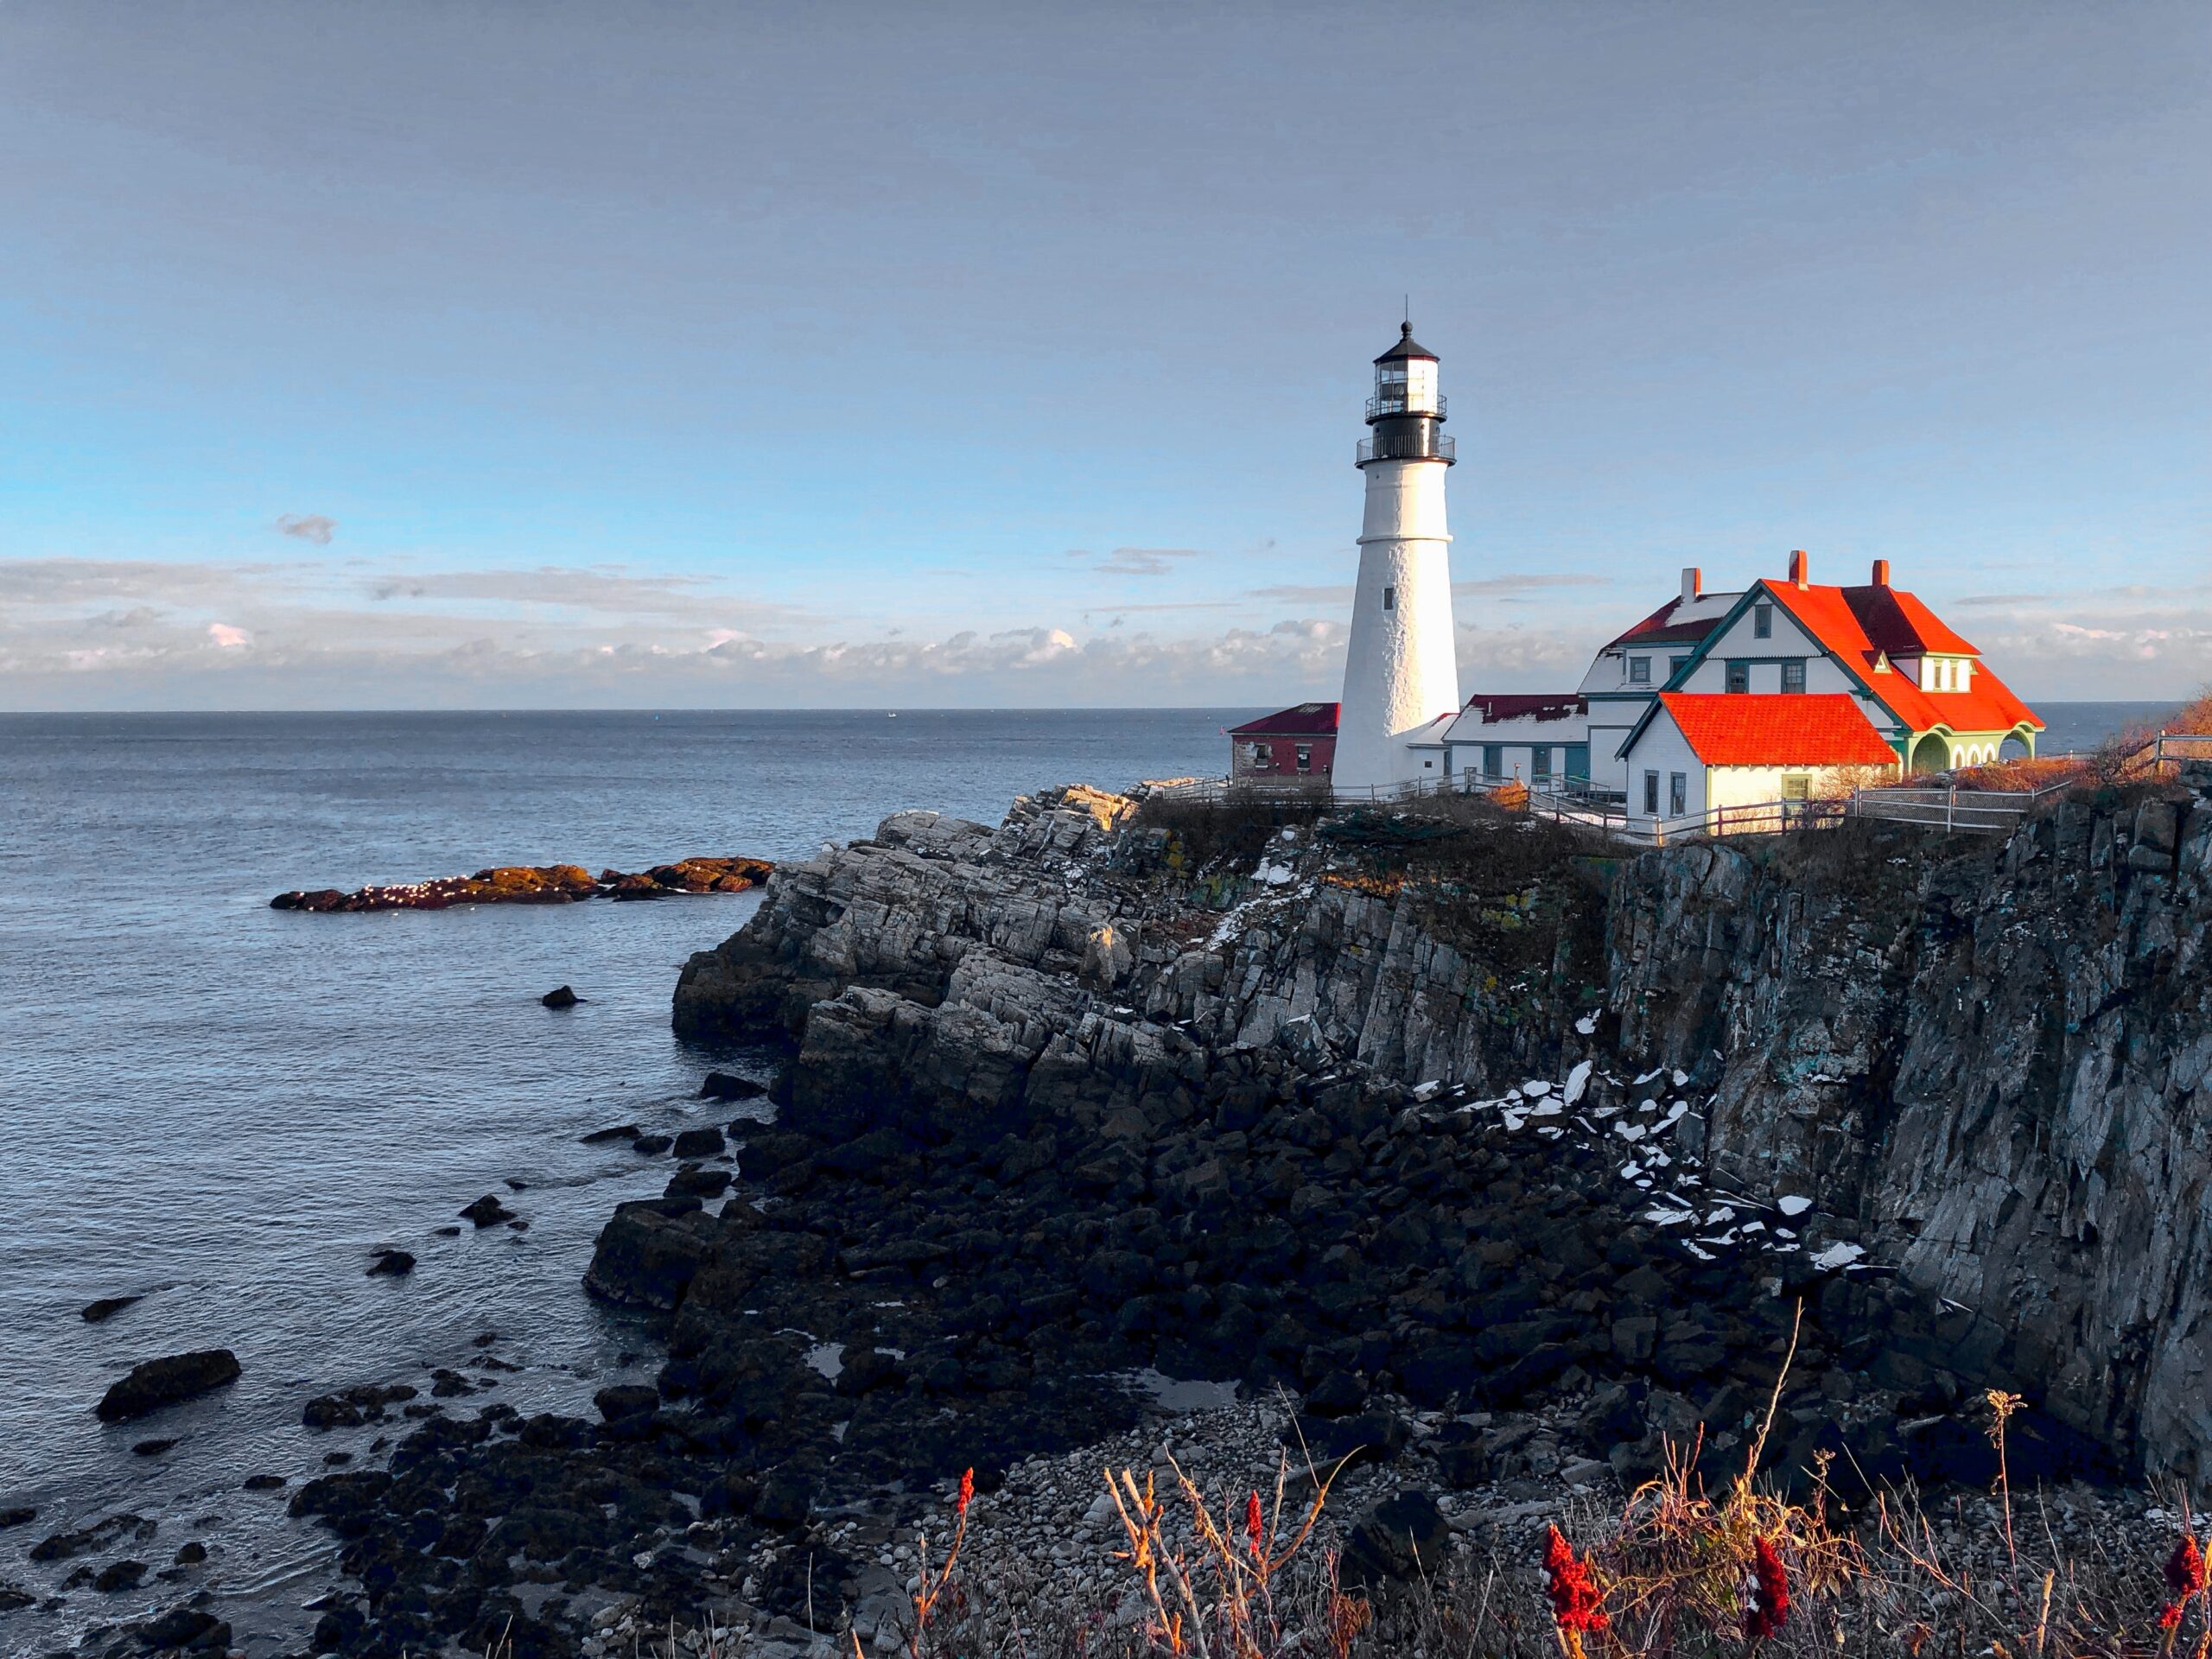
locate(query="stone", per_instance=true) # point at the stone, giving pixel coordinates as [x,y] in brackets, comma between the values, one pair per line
[119,1576]
[152,1448]
[693,1144]
[728,1085]
[155,1383]
[391,1264]
[107,1308]
[486,1212]
[1402,1539]
[561,997]
[17,1514]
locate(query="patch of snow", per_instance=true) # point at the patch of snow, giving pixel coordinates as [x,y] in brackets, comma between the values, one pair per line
[1720,1215]
[1678,1111]
[1793,1205]
[1647,1078]
[1631,1171]
[1550,1132]
[1428,1090]
[1753,1227]
[1577,1081]
[1275,875]
[1680,1077]
[1545,1109]
[827,1358]
[1702,1256]
[1838,1256]
[1631,1133]
[1587,1025]
[1536,1086]
[1659,1217]
[1172,1394]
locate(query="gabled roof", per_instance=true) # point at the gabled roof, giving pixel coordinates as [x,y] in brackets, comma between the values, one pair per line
[1302,720]
[1407,347]
[1490,709]
[1824,729]
[1861,627]
[1667,627]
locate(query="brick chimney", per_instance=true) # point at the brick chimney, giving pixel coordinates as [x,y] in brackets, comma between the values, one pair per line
[1797,568]
[1881,573]
[1693,583]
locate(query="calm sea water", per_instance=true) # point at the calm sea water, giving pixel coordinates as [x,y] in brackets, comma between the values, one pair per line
[224,1109]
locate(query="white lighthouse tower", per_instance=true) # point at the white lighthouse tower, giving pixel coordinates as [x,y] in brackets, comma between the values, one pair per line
[1399,671]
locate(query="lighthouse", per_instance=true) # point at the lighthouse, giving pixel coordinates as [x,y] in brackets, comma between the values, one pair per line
[1401,674]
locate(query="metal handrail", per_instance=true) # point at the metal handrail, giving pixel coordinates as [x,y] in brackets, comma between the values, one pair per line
[1398,404]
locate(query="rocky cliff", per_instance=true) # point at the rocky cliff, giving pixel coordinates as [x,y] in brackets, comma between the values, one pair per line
[1977,1058]
[1990,1057]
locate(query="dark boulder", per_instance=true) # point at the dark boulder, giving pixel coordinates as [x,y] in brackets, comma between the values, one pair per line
[699,1143]
[560,997]
[16,1516]
[193,1629]
[152,1448]
[119,1576]
[618,1132]
[649,1252]
[486,1212]
[350,1408]
[106,1308]
[391,1264]
[1400,1539]
[728,1085]
[650,1146]
[165,1382]
[626,1400]
[1462,1460]
[697,1184]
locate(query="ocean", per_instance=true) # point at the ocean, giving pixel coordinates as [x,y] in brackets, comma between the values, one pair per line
[225,1109]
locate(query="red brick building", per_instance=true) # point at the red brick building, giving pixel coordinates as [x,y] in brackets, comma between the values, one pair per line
[1295,743]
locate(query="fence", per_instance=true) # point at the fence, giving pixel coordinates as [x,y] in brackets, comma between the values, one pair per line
[1949,808]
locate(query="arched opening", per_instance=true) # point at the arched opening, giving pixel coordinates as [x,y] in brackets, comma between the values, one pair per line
[2015,746]
[1931,753]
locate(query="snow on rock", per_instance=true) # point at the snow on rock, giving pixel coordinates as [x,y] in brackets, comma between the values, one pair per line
[1587,1025]
[1838,1256]
[1793,1205]
[1577,1081]
[1536,1086]
[1275,875]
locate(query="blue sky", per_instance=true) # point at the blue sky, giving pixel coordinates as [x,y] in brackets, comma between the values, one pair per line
[655,355]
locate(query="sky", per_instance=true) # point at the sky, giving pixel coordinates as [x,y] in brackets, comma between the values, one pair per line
[506,355]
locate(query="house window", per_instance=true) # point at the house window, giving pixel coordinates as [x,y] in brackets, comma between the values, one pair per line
[1578,763]
[1305,757]
[1639,670]
[1739,676]
[1762,621]
[1793,674]
[1493,761]
[1540,764]
[1678,794]
[1389,599]
[1651,794]
[1796,786]
[1676,666]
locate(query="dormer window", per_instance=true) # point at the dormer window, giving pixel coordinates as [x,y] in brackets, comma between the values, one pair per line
[1762,621]
[1639,670]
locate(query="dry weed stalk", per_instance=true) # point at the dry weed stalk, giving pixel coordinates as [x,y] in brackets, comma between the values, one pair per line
[1240,1614]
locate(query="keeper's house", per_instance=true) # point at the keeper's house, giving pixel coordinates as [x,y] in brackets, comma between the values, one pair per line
[1785,690]
[1291,743]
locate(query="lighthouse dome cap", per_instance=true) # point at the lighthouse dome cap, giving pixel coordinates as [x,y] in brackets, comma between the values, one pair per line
[1407,347]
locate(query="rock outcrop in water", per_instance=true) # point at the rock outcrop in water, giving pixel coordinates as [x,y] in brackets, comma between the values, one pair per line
[157,1382]
[537,884]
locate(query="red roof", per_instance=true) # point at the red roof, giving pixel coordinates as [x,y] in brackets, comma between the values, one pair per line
[1511,706]
[1823,729]
[1305,720]
[1656,630]
[1862,626]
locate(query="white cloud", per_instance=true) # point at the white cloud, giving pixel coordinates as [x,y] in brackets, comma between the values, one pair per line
[227,637]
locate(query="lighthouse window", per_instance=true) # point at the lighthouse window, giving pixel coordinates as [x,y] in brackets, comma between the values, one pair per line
[1389,599]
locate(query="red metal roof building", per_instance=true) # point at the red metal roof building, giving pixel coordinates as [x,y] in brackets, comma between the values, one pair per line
[1300,741]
